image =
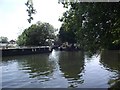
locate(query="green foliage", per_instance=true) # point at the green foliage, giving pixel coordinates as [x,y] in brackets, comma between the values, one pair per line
[3,39]
[30,10]
[96,26]
[67,36]
[36,35]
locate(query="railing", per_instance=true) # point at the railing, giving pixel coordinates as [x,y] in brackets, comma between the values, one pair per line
[25,47]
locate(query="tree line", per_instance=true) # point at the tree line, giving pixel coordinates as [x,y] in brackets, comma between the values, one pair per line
[94,26]
[37,35]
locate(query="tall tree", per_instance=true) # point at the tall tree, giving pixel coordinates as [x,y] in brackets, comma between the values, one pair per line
[97,25]
[30,10]
[36,35]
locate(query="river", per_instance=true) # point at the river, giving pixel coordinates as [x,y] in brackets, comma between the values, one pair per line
[61,69]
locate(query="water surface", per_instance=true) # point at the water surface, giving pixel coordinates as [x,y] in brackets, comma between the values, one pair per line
[61,69]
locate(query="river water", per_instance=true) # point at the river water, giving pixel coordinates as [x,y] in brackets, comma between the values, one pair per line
[61,69]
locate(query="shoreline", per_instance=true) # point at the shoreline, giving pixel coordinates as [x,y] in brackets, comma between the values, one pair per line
[25,51]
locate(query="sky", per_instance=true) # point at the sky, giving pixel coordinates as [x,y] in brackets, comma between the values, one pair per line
[13,15]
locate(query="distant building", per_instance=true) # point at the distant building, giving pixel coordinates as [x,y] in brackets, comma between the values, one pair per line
[12,42]
[3,45]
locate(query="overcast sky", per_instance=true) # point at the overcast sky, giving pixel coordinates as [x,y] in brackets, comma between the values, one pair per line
[13,15]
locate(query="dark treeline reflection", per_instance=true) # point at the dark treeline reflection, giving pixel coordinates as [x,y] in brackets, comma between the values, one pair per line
[43,66]
[63,69]
[38,66]
[72,65]
[111,61]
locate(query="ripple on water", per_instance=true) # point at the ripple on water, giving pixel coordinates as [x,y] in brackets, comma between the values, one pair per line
[56,70]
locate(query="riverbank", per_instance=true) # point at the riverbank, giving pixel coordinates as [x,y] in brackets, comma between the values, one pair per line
[25,51]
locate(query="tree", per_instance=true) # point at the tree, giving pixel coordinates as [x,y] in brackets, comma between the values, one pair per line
[3,39]
[96,24]
[67,35]
[36,35]
[30,10]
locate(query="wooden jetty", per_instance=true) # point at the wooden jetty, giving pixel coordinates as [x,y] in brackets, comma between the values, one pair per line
[25,50]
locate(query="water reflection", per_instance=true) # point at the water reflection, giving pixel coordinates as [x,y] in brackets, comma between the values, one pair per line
[38,66]
[111,60]
[72,65]
[61,69]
